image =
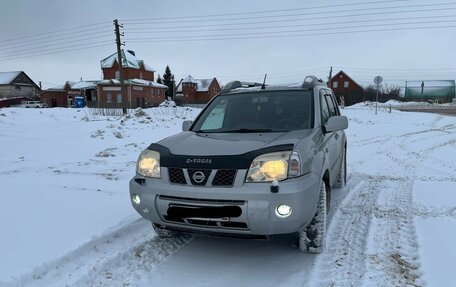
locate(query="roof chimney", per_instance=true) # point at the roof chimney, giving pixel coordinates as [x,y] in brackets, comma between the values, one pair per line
[131,52]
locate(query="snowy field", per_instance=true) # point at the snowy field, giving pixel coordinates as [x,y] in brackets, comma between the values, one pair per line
[66,218]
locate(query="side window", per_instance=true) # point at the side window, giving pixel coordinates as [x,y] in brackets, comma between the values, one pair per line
[331,106]
[324,110]
[334,100]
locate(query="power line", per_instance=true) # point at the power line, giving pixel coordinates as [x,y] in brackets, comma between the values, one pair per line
[295,19]
[60,50]
[52,38]
[305,14]
[54,31]
[207,38]
[41,47]
[297,31]
[265,11]
[273,74]
[65,45]
[145,30]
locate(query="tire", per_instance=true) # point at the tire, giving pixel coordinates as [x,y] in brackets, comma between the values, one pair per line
[312,238]
[165,233]
[342,176]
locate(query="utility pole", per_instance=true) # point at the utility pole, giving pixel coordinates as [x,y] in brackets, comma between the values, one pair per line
[422,91]
[119,60]
[330,74]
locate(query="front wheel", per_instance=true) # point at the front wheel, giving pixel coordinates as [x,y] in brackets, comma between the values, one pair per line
[312,238]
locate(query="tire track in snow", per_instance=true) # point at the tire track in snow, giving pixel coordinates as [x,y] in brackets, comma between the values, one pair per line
[392,256]
[128,267]
[371,240]
[383,139]
[109,260]
[343,262]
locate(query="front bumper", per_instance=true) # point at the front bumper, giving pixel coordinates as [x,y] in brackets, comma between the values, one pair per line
[255,201]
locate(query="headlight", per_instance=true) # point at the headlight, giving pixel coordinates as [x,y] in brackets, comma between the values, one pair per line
[149,164]
[277,165]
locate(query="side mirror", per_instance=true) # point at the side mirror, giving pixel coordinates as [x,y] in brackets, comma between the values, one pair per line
[186,125]
[336,123]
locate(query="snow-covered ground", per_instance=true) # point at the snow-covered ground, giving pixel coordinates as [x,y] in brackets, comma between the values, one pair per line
[66,218]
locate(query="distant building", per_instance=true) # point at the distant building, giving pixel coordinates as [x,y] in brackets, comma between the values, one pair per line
[65,95]
[197,91]
[17,85]
[344,87]
[442,91]
[140,88]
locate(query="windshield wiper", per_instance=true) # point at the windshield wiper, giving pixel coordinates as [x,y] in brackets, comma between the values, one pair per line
[244,130]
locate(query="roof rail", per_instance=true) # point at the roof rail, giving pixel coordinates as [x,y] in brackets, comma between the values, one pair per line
[312,81]
[238,84]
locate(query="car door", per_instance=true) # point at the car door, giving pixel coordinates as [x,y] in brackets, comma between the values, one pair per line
[338,135]
[330,140]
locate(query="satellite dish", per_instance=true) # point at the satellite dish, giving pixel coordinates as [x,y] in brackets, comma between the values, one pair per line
[378,80]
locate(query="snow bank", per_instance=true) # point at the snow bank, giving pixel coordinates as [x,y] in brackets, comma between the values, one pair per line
[64,177]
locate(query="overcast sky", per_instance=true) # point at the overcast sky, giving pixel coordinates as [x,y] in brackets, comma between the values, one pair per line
[293,39]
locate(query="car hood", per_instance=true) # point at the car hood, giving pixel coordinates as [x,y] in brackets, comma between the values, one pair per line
[211,144]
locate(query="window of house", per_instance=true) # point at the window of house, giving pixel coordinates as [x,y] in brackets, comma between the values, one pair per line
[335,85]
[346,84]
[109,98]
[140,75]
[117,75]
[119,98]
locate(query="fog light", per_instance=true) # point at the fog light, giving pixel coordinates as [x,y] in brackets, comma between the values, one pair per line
[136,199]
[283,211]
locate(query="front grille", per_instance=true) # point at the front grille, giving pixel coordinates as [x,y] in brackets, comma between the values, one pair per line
[205,172]
[176,175]
[224,177]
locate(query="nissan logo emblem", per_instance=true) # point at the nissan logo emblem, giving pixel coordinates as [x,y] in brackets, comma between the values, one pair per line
[199,177]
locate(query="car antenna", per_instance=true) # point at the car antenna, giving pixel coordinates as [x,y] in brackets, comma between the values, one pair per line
[264,82]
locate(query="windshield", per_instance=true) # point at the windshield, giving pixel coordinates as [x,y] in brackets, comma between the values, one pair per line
[271,111]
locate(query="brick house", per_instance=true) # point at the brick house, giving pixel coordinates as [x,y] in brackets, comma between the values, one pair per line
[64,96]
[17,85]
[197,91]
[345,87]
[140,88]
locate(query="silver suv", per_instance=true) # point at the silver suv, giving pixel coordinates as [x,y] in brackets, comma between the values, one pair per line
[257,161]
